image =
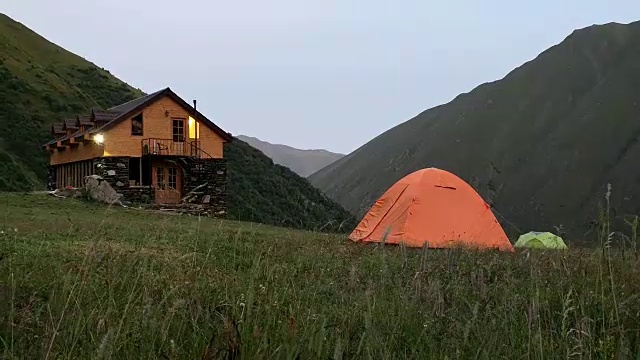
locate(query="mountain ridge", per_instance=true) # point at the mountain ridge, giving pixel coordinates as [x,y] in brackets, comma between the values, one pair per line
[537,144]
[302,161]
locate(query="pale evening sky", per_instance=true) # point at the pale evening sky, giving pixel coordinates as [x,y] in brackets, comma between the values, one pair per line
[312,74]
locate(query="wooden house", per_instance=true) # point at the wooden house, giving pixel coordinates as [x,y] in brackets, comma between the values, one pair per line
[155,148]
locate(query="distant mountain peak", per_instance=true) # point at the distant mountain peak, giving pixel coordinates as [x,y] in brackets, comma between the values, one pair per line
[304,162]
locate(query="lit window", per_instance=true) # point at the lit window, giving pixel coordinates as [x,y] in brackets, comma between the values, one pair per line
[194,128]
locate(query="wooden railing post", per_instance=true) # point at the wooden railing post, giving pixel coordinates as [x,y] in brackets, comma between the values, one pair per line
[154,146]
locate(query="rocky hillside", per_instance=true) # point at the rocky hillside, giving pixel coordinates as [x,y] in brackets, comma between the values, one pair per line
[541,144]
[40,83]
[301,161]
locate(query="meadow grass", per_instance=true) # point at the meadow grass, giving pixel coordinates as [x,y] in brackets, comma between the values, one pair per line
[81,281]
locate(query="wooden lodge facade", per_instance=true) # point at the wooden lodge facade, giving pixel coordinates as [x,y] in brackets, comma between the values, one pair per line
[155,148]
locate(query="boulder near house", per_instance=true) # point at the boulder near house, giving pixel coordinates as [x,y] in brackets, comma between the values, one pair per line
[156,148]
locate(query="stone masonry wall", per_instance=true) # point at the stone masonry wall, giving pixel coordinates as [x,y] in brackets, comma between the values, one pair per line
[138,194]
[213,173]
[115,170]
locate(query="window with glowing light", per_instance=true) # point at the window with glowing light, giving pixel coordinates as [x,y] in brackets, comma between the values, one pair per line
[194,128]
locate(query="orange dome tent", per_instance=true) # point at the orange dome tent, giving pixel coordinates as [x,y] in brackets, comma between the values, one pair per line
[433,206]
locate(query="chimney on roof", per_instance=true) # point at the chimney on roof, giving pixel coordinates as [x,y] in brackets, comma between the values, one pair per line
[195,122]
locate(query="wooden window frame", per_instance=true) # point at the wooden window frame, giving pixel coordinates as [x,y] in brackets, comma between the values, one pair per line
[175,136]
[141,125]
[172,178]
[160,179]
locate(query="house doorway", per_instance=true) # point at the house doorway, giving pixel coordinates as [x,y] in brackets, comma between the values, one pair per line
[167,181]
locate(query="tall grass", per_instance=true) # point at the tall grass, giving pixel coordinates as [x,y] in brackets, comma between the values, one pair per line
[78,281]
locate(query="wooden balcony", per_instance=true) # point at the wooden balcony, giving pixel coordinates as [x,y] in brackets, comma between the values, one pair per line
[168,147]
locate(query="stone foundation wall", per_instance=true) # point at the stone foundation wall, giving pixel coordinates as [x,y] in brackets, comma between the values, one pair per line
[138,194]
[213,173]
[115,170]
[204,182]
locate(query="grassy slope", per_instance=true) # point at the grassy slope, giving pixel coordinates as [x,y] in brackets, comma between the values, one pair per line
[282,198]
[557,129]
[83,281]
[41,83]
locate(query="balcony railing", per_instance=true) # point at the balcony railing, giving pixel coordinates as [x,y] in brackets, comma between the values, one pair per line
[169,147]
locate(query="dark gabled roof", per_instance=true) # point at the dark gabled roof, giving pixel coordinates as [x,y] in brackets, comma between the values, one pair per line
[84,120]
[100,116]
[70,124]
[57,128]
[135,103]
[128,109]
[61,129]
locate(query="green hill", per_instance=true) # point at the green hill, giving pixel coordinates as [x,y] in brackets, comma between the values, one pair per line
[262,191]
[41,83]
[540,144]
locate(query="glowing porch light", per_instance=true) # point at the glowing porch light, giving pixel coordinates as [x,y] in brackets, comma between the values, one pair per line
[98,138]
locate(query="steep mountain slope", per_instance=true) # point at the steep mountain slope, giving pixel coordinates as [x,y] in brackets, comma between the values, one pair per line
[41,83]
[303,162]
[265,192]
[540,144]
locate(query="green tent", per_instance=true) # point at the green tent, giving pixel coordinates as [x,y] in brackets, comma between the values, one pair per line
[540,240]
